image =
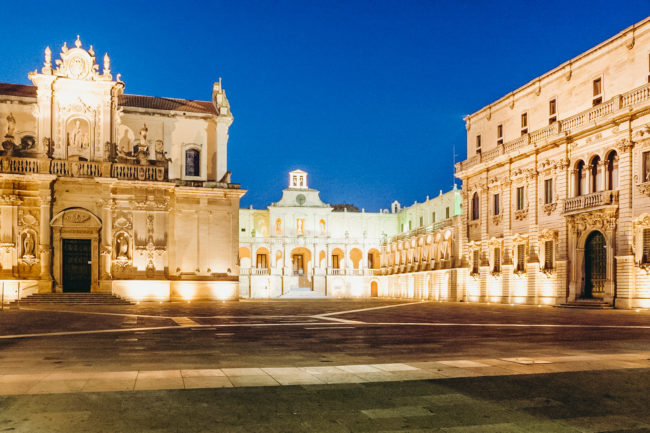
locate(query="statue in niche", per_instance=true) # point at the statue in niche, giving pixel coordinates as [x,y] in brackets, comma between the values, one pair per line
[142,148]
[300,226]
[11,126]
[278,226]
[8,143]
[322,226]
[78,138]
[122,247]
[28,245]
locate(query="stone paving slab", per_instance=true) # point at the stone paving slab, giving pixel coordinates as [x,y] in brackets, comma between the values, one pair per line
[88,381]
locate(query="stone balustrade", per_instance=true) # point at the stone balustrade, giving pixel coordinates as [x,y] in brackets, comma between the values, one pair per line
[571,125]
[72,168]
[600,198]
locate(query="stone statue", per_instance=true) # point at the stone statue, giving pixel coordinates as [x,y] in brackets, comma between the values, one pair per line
[28,245]
[78,138]
[122,248]
[143,136]
[300,226]
[11,126]
[322,226]
[278,226]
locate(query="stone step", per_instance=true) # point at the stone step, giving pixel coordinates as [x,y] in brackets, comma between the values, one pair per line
[73,298]
[587,304]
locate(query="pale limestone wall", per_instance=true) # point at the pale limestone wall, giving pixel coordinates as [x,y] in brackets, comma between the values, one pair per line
[617,208]
[621,62]
[410,217]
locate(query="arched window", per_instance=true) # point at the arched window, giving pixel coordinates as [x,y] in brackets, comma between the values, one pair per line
[594,173]
[580,176]
[612,170]
[475,206]
[192,162]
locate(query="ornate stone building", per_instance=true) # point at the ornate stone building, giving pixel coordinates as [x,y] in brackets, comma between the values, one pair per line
[556,183]
[303,247]
[424,261]
[103,191]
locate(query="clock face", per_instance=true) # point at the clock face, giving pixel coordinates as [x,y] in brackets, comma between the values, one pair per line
[300,199]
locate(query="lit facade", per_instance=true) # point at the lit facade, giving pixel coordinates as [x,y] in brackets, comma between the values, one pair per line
[103,191]
[556,184]
[301,246]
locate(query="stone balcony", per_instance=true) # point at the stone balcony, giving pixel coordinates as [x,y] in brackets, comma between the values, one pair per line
[590,201]
[570,126]
[72,168]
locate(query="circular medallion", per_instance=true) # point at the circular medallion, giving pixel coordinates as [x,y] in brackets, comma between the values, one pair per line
[77,67]
[300,199]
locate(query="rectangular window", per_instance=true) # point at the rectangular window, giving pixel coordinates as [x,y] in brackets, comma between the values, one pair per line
[261,261]
[520,198]
[552,111]
[410,224]
[402,228]
[548,255]
[475,262]
[548,191]
[421,221]
[499,134]
[433,218]
[646,166]
[335,261]
[646,246]
[478,144]
[496,204]
[524,123]
[521,257]
[597,91]
[497,260]
[447,212]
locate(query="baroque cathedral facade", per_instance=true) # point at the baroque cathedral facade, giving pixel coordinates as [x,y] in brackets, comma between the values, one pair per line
[104,191]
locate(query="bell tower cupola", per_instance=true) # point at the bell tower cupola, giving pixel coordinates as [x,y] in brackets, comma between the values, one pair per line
[298,179]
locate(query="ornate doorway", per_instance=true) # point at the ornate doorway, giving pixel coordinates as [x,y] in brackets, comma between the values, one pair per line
[595,265]
[77,260]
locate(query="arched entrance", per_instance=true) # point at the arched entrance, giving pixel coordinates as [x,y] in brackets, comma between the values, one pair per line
[75,233]
[374,290]
[595,265]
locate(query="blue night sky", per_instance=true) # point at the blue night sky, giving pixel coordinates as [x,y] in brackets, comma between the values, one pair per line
[368,97]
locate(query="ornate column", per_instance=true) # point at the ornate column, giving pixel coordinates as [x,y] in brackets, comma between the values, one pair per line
[507,265]
[45,232]
[484,264]
[624,251]
[107,238]
[532,264]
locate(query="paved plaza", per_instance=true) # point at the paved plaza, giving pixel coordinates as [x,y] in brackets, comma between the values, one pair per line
[323,365]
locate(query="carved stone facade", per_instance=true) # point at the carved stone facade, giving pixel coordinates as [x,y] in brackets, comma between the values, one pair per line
[302,244]
[575,182]
[103,191]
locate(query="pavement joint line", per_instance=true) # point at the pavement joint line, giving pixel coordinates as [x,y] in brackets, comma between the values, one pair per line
[137,380]
[302,324]
[336,313]
[99,313]
[335,319]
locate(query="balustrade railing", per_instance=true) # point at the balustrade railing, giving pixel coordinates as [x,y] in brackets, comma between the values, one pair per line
[600,198]
[569,125]
[58,167]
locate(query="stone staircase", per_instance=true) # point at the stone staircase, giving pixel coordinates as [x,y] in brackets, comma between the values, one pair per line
[72,298]
[303,293]
[587,304]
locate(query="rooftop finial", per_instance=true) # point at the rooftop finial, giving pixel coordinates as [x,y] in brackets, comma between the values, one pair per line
[107,64]
[77,43]
[47,65]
